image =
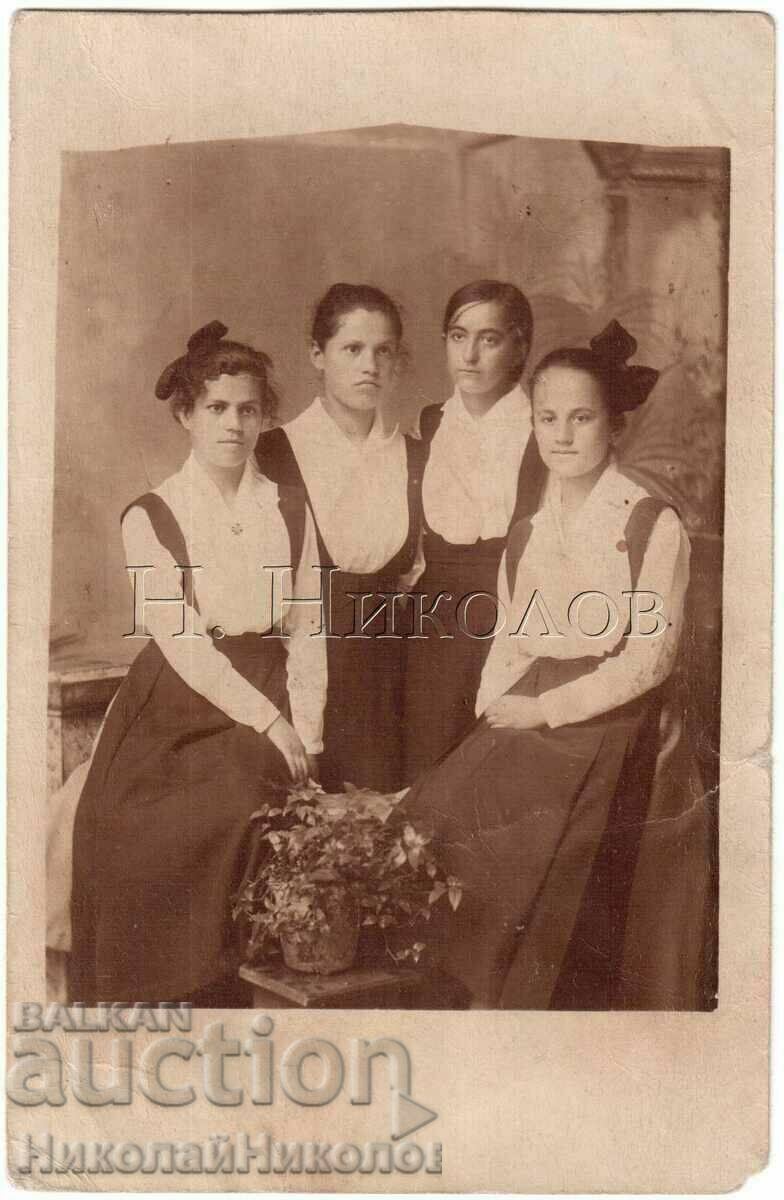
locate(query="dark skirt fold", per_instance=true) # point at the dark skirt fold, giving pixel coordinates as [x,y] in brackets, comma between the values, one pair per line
[363,715]
[161,835]
[443,673]
[521,818]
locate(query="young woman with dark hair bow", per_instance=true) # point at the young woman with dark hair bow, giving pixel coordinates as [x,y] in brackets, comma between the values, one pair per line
[203,725]
[541,808]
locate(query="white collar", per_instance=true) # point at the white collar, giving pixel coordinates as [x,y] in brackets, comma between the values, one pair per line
[196,479]
[317,415]
[612,490]
[510,409]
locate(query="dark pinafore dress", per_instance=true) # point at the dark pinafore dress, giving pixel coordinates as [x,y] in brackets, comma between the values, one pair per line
[161,837]
[442,675]
[363,718]
[543,827]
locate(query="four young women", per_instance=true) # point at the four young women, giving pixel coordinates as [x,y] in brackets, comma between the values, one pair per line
[528,803]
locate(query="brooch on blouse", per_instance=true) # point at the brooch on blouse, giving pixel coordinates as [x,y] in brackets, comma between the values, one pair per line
[237,527]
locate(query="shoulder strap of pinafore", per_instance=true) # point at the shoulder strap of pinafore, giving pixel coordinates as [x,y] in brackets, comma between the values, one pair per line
[292,504]
[429,421]
[416,457]
[530,482]
[637,534]
[168,532]
[639,528]
[515,548]
[164,525]
[276,459]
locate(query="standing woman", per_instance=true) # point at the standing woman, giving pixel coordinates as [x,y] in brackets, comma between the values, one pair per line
[541,809]
[482,472]
[204,724]
[363,485]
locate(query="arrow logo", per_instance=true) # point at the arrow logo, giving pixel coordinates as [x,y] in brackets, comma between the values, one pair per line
[408,1115]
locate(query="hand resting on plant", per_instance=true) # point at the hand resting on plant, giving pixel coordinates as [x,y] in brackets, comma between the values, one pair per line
[283,735]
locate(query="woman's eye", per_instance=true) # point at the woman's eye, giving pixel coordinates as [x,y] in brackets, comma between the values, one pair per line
[216,408]
[456,336]
[353,348]
[385,351]
[249,410]
[491,340]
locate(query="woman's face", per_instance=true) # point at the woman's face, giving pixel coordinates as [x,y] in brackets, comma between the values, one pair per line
[226,420]
[571,421]
[359,362]
[484,356]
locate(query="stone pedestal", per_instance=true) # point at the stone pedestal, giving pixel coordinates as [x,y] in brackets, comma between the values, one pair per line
[78,699]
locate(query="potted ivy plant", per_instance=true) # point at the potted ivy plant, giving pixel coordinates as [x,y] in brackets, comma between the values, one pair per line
[333,865]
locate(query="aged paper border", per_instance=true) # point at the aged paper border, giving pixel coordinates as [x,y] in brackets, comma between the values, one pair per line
[592,1102]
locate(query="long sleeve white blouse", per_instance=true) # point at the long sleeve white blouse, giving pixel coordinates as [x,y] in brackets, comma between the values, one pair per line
[358,489]
[558,565]
[469,488]
[232,546]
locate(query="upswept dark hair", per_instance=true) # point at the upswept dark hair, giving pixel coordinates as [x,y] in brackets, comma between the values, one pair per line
[624,386]
[514,304]
[209,355]
[344,298]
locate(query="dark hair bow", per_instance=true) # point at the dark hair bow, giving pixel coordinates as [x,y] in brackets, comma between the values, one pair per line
[631,384]
[202,342]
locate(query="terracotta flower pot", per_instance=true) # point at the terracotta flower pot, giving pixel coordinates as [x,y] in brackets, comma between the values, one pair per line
[321,952]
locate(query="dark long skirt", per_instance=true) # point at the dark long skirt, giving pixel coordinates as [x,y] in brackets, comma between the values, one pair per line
[543,828]
[161,838]
[363,716]
[442,674]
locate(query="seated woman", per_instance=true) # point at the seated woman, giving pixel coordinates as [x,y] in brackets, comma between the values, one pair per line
[203,725]
[539,811]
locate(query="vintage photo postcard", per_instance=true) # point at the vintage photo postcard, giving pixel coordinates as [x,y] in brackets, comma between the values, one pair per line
[390,601]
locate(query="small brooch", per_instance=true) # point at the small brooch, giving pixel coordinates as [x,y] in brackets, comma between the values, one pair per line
[236,527]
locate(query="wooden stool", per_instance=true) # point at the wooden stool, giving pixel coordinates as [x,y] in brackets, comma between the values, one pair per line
[275,986]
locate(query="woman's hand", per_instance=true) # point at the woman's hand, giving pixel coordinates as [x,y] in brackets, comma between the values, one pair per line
[285,737]
[515,712]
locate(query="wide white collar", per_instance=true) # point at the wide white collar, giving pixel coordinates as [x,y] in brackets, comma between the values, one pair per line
[199,486]
[512,409]
[613,493]
[318,420]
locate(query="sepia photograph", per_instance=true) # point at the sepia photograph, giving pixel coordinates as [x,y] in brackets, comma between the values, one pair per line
[390,493]
[469,389]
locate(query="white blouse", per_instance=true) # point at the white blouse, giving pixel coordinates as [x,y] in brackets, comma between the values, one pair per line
[469,489]
[358,489]
[232,545]
[558,565]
